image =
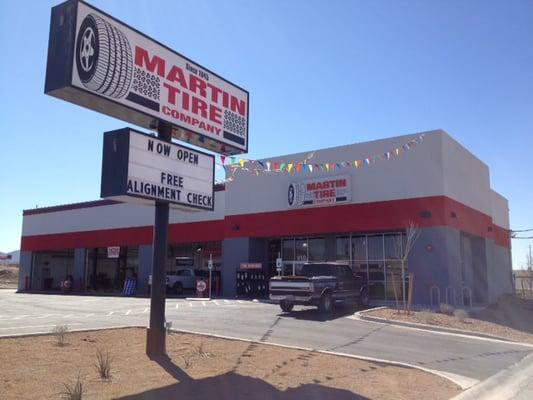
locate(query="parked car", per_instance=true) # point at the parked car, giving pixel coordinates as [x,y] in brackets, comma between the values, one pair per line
[182,279]
[319,284]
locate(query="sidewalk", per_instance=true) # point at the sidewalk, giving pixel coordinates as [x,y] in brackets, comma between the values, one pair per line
[513,383]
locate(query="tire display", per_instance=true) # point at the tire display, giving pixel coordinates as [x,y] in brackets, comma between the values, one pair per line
[103,58]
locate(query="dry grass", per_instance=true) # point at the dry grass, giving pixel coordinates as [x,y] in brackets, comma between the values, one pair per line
[73,391]
[60,333]
[512,323]
[201,367]
[446,309]
[103,364]
[461,315]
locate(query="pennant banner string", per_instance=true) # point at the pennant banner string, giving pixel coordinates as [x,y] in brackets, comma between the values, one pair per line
[257,167]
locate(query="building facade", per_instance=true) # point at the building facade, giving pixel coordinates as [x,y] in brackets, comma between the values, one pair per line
[345,212]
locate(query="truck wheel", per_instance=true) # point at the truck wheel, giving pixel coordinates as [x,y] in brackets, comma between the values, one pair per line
[326,303]
[286,306]
[363,299]
[178,288]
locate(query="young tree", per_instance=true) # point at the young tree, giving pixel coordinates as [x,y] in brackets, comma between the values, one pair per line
[527,278]
[402,249]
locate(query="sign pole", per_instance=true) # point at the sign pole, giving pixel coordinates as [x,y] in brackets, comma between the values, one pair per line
[156,335]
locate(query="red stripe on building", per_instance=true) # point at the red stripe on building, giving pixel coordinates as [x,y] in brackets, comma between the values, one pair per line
[178,233]
[368,217]
[207,231]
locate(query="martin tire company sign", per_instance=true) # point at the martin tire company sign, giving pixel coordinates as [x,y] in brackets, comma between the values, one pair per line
[100,63]
[320,191]
[138,165]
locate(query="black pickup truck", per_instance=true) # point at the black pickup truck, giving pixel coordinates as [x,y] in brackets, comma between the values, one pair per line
[319,284]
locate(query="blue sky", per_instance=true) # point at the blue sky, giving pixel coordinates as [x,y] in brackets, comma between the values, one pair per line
[319,74]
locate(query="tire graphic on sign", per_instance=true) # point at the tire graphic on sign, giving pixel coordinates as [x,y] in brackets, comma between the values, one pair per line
[103,57]
[290,195]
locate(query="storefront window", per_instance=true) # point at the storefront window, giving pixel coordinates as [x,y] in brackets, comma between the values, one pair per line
[393,269]
[288,249]
[375,247]
[194,255]
[300,246]
[342,248]
[359,248]
[108,274]
[50,268]
[360,268]
[317,249]
[393,247]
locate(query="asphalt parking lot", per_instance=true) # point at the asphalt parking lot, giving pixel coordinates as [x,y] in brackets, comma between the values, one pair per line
[467,359]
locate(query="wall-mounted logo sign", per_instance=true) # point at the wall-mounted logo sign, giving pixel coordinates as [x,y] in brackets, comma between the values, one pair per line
[140,166]
[320,191]
[100,63]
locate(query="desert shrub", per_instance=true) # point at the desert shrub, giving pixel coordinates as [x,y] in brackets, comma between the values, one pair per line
[103,364]
[446,308]
[460,314]
[427,316]
[200,351]
[73,391]
[187,360]
[60,333]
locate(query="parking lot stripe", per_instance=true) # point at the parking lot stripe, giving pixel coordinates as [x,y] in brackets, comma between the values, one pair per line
[177,305]
[45,316]
[128,312]
[21,316]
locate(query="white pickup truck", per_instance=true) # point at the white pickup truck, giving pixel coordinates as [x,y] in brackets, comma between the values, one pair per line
[179,280]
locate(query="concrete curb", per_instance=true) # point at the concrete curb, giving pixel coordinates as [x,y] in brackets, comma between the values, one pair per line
[45,333]
[505,384]
[462,381]
[433,328]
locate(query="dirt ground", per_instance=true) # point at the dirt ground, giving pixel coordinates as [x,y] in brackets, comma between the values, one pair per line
[200,367]
[511,318]
[9,276]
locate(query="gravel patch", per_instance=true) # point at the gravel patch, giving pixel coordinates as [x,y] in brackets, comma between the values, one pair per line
[471,323]
[200,367]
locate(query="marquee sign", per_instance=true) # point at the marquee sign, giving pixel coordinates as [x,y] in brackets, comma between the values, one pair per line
[138,165]
[102,64]
[320,191]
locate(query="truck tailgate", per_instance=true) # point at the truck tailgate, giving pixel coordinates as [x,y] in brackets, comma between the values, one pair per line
[290,285]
